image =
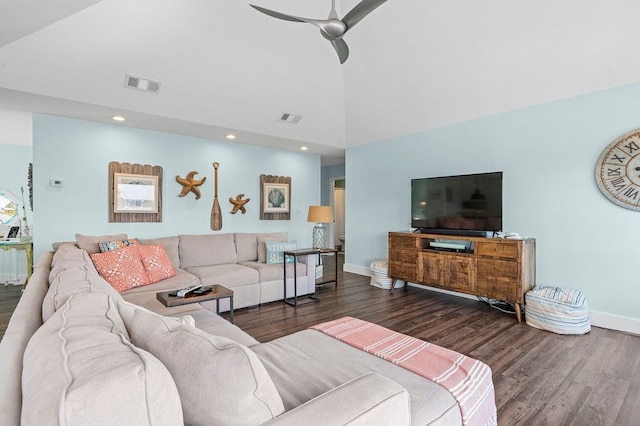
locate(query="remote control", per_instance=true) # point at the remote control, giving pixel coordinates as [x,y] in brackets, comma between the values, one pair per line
[202,290]
[185,291]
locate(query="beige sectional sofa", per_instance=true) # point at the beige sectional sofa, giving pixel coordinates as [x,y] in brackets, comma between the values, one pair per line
[76,352]
[234,260]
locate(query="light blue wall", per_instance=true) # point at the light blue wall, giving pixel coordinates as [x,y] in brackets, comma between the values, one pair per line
[79,152]
[548,155]
[14,165]
[328,173]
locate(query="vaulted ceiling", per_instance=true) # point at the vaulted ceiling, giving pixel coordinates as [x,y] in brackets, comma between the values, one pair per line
[224,67]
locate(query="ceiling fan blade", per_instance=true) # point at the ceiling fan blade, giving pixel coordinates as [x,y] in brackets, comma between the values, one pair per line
[331,27]
[361,10]
[278,14]
[341,48]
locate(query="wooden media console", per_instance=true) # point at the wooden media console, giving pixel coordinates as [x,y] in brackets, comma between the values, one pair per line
[495,268]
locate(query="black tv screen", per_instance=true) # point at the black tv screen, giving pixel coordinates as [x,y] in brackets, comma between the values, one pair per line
[465,202]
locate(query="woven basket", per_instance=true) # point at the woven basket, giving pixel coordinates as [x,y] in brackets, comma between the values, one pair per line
[380,275]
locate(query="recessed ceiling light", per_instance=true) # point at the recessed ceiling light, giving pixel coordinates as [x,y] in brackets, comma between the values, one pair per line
[231,136]
[118,118]
[303,148]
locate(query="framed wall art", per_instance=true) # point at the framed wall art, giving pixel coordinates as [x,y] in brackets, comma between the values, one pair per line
[135,192]
[275,197]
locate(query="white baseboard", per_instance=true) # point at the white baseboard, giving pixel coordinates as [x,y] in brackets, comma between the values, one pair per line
[356,269]
[615,322]
[598,319]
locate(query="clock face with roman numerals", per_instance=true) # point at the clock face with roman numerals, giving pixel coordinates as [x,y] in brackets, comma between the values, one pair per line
[618,171]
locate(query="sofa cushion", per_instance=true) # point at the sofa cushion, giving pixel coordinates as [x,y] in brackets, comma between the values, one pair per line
[262,238]
[202,250]
[128,310]
[156,262]
[276,272]
[214,324]
[70,253]
[228,275]
[246,246]
[275,251]
[24,322]
[80,365]
[68,282]
[123,268]
[220,381]
[180,280]
[149,301]
[170,245]
[291,360]
[90,243]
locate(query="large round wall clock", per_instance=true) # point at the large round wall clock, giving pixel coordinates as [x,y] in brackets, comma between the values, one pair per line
[618,171]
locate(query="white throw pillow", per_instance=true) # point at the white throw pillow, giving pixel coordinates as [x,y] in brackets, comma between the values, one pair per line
[220,382]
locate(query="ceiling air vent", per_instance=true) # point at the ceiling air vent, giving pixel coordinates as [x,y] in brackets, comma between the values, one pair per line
[142,84]
[290,118]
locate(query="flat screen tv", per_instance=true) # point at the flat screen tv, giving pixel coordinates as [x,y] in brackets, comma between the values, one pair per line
[464,204]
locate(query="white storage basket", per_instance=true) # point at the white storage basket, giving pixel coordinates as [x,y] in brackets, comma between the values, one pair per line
[380,275]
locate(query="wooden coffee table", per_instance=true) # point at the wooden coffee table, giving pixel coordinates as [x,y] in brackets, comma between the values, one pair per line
[217,292]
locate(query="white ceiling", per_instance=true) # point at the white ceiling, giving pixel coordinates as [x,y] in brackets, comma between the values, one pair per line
[224,67]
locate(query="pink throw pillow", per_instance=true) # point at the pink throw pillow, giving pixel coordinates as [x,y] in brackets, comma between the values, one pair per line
[156,262]
[122,268]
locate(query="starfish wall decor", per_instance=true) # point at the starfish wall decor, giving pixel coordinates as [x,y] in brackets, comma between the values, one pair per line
[189,184]
[238,204]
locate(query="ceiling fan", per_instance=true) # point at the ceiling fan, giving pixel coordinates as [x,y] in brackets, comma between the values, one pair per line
[332,28]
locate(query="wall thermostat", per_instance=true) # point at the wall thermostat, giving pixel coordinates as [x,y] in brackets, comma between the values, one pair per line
[56,183]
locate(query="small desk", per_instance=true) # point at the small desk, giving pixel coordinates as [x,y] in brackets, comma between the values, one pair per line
[25,244]
[217,292]
[293,301]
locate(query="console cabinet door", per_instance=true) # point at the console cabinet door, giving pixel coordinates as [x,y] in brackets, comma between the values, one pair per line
[461,273]
[403,257]
[433,266]
[450,271]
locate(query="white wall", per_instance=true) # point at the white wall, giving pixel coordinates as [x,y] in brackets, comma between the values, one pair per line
[79,152]
[548,155]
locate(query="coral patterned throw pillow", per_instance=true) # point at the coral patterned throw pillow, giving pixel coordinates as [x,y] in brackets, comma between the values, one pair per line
[156,262]
[121,268]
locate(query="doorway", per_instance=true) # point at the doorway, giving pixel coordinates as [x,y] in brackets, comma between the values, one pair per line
[338,194]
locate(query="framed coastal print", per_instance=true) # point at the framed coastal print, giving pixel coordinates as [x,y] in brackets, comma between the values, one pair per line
[135,193]
[275,197]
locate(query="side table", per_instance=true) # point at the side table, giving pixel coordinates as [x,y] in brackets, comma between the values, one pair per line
[217,292]
[25,244]
[293,301]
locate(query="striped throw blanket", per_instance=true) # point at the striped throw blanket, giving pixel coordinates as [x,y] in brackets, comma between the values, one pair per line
[468,380]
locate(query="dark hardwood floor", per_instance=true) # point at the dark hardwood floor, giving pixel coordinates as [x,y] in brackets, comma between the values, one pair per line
[540,378]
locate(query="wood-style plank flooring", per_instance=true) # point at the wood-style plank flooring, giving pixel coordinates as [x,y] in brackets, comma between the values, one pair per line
[540,378]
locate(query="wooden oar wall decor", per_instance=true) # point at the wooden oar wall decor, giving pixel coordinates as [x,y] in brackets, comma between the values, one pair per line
[216,212]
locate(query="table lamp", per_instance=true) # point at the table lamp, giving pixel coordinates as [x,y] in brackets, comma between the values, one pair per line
[319,215]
